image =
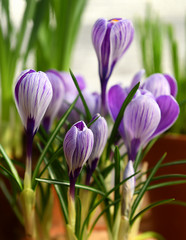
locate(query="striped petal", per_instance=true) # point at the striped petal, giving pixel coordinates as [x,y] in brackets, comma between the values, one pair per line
[157,84]
[172,83]
[169,113]
[33,94]
[77,145]
[141,119]
[116,97]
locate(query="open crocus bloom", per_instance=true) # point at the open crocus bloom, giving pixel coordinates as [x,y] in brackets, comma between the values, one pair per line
[157,83]
[111,38]
[145,117]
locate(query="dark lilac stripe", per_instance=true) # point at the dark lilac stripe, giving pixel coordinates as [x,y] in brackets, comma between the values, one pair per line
[19,82]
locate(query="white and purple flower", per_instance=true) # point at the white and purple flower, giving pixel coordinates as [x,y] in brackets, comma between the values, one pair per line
[77,146]
[33,94]
[111,38]
[151,112]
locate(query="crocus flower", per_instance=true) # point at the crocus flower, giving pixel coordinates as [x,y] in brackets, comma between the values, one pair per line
[57,99]
[33,94]
[100,131]
[110,39]
[77,145]
[145,116]
[127,189]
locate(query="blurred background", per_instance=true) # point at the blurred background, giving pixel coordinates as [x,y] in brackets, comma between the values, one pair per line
[84,59]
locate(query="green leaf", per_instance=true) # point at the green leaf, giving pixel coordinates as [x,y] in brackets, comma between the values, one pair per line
[40,10]
[145,186]
[117,179]
[51,139]
[171,183]
[162,202]
[9,175]
[88,114]
[173,163]
[12,168]
[120,116]
[66,183]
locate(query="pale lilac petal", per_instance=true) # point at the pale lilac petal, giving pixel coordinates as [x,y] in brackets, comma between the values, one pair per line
[136,79]
[100,131]
[69,146]
[121,36]
[169,112]
[93,102]
[116,97]
[58,96]
[172,83]
[157,84]
[33,94]
[141,119]
[77,145]
[98,34]
[69,83]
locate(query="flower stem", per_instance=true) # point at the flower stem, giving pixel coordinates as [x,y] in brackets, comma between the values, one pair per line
[103,99]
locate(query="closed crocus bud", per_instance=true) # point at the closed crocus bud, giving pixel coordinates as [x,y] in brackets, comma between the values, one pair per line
[33,94]
[100,130]
[127,189]
[77,146]
[57,99]
[111,38]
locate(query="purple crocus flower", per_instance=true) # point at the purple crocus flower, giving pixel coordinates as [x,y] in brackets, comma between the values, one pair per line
[111,38]
[57,99]
[33,94]
[77,145]
[100,131]
[145,116]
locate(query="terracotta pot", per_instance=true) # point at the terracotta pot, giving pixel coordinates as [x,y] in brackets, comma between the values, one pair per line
[168,220]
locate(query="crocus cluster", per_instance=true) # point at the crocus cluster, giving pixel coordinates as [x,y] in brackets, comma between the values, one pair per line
[83,144]
[151,112]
